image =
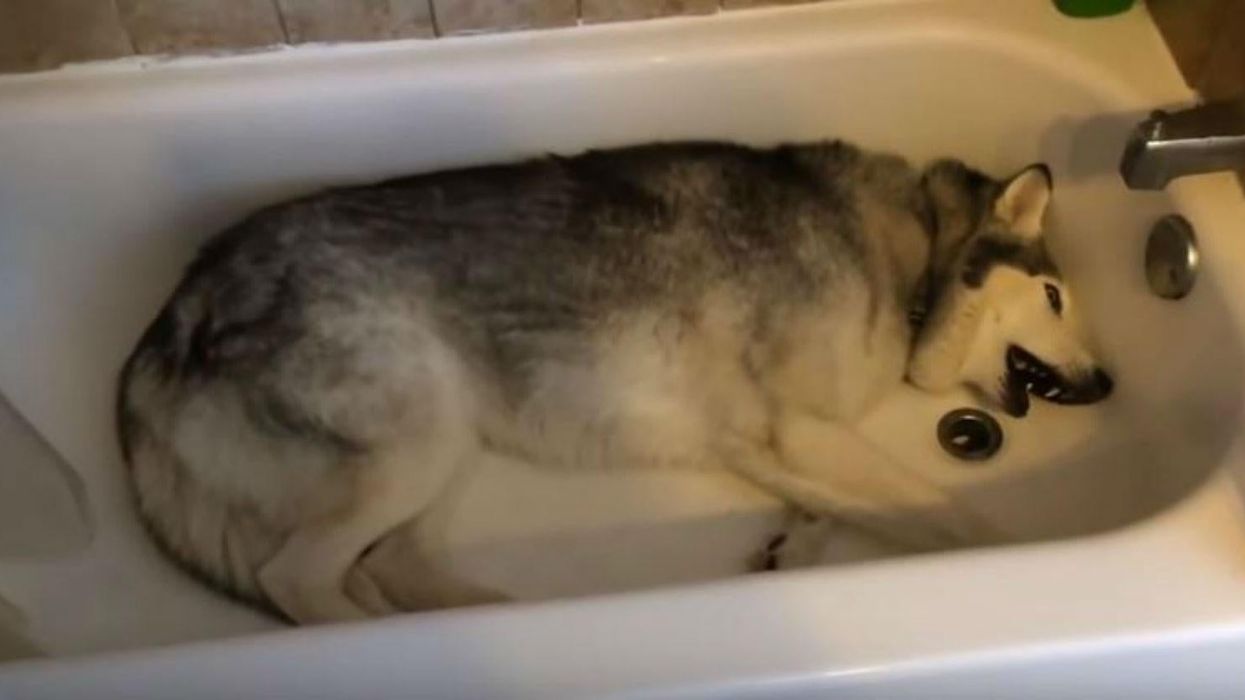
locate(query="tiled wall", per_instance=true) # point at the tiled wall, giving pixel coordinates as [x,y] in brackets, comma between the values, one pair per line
[1207,39]
[43,34]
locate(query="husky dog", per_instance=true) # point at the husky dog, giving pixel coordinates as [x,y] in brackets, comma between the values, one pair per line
[329,366]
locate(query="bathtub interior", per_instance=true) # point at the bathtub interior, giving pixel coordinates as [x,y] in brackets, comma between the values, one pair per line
[113,179]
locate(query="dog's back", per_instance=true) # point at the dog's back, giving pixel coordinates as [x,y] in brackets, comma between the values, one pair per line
[616,308]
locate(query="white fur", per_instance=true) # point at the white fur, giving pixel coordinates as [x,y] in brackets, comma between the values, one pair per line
[653,388]
[1023,202]
[969,331]
[1016,312]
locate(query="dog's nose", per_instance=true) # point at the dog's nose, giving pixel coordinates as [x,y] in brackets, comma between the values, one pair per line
[1091,388]
[1104,383]
[1096,387]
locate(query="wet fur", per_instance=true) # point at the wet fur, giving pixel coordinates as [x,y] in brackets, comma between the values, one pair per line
[327,367]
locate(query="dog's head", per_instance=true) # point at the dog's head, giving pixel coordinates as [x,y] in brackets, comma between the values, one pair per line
[999,318]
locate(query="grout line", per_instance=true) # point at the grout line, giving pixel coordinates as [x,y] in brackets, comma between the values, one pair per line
[432,15]
[1217,39]
[285,32]
[125,28]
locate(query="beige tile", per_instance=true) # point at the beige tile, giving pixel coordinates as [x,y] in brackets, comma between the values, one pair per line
[1223,73]
[614,10]
[43,34]
[355,20]
[742,4]
[411,18]
[1189,27]
[181,26]
[470,16]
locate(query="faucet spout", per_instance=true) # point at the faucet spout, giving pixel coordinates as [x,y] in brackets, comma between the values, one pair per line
[1202,139]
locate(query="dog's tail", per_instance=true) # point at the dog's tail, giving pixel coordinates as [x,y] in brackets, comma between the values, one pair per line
[217,541]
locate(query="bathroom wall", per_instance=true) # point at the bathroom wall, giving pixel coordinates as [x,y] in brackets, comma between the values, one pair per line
[1207,39]
[43,34]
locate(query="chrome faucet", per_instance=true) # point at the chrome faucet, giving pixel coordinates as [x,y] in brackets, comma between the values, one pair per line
[1202,139]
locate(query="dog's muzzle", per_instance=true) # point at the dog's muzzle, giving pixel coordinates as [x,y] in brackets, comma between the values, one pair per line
[1028,375]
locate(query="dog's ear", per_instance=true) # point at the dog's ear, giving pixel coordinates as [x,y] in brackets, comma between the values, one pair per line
[1023,201]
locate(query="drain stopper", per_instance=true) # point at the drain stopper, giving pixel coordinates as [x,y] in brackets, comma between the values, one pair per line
[970,434]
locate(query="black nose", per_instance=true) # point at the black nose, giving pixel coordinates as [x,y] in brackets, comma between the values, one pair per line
[1091,388]
[1104,382]
[1096,387]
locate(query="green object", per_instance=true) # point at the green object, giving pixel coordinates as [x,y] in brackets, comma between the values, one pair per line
[1092,8]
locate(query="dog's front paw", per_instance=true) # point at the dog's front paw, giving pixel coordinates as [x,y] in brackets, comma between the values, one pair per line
[768,558]
[800,544]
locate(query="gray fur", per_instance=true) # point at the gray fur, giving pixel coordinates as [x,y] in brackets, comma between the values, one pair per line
[290,326]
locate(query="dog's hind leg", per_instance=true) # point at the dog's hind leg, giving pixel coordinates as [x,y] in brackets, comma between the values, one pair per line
[396,478]
[306,578]
[363,590]
[412,578]
[412,567]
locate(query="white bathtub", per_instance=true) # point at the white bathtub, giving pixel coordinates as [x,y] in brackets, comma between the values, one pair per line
[1133,580]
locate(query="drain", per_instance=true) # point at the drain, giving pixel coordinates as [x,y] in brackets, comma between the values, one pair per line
[1171,257]
[970,434]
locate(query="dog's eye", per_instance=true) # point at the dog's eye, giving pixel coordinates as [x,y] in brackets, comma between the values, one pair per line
[1052,296]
